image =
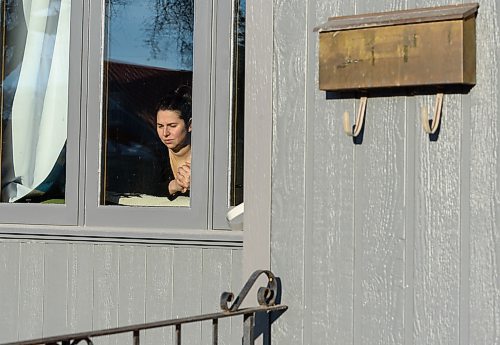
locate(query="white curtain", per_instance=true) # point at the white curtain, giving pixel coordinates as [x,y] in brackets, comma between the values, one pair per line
[38,121]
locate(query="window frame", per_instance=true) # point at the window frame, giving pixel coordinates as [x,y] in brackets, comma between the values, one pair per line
[67,213]
[259,46]
[224,65]
[196,215]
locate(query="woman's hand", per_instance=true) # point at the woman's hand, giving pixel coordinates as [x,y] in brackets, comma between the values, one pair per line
[182,183]
[184,177]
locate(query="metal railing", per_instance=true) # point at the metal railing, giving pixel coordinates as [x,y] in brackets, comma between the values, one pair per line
[267,298]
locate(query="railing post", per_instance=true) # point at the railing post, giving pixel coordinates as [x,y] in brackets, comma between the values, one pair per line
[215,331]
[248,327]
[178,334]
[136,338]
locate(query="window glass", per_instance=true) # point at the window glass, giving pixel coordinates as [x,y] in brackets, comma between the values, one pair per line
[237,121]
[34,101]
[148,73]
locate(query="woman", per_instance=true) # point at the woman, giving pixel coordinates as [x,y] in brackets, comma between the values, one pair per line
[173,125]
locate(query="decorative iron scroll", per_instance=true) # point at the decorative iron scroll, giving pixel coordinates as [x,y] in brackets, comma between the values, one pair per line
[266,296]
[74,342]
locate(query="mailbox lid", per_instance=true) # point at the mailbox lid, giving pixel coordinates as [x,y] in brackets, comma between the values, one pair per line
[412,16]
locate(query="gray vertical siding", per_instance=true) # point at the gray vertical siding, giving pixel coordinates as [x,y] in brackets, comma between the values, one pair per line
[9,289]
[80,286]
[50,288]
[379,217]
[188,290]
[331,269]
[395,240]
[31,289]
[106,288]
[379,226]
[55,292]
[159,293]
[288,156]
[484,202]
[437,223]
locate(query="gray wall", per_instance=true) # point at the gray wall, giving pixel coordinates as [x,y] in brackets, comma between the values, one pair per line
[396,240]
[57,287]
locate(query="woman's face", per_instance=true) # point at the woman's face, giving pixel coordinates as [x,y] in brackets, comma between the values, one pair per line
[172,130]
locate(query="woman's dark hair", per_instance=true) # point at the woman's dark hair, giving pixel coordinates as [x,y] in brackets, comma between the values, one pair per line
[180,101]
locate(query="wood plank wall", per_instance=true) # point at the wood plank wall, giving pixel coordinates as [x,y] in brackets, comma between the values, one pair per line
[396,240]
[51,288]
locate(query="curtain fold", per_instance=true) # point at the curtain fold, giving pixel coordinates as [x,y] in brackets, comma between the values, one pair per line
[38,119]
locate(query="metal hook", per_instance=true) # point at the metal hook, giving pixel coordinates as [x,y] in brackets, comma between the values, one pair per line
[437,116]
[360,118]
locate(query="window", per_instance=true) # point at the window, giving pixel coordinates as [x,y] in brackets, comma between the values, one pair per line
[40,72]
[107,149]
[148,60]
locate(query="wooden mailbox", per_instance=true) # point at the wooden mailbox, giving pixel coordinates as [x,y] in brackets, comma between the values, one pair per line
[420,47]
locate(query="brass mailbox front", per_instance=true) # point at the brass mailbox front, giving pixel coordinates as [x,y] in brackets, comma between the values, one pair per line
[433,46]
